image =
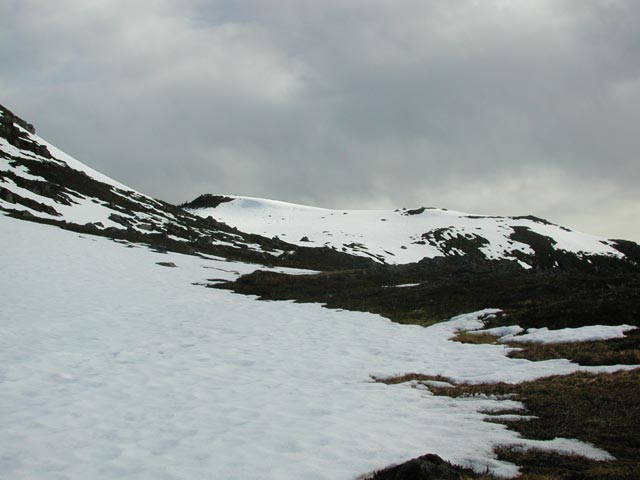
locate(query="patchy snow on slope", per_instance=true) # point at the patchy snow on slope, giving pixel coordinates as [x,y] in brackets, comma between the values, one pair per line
[514,333]
[398,236]
[82,210]
[81,167]
[510,330]
[113,366]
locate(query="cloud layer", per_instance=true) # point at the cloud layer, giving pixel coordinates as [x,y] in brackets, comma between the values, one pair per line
[498,106]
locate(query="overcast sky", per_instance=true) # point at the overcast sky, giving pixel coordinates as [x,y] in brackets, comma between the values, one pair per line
[485,106]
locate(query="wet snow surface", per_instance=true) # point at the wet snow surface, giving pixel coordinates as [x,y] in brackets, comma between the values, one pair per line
[112,366]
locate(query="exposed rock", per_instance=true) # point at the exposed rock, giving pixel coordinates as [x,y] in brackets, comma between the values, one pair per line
[6,195]
[533,219]
[167,264]
[415,211]
[9,117]
[125,222]
[206,201]
[457,244]
[630,249]
[427,467]
[10,128]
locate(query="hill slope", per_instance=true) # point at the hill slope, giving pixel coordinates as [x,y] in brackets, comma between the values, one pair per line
[405,236]
[39,182]
[162,378]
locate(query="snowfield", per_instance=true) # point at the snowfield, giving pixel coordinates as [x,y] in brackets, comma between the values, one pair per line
[113,366]
[395,236]
[589,333]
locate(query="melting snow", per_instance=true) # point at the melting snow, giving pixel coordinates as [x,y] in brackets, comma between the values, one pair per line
[581,334]
[112,366]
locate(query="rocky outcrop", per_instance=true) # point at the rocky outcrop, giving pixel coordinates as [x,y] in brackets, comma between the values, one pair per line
[427,467]
[16,131]
[206,201]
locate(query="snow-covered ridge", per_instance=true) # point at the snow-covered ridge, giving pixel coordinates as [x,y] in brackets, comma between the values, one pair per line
[402,236]
[40,182]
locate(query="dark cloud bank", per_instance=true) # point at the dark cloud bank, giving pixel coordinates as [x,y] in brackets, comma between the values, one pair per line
[501,107]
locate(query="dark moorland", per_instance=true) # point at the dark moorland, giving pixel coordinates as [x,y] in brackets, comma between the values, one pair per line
[601,409]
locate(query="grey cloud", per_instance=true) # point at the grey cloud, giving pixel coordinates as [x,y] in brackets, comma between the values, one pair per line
[344,103]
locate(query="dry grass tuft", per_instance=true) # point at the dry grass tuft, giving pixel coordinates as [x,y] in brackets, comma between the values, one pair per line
[474,338]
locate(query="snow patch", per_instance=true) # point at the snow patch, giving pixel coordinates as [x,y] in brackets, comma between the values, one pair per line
[114,367]
[564,335]
[392,236]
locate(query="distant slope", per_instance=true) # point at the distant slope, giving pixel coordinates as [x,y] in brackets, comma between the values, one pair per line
[405,236]
[39,182]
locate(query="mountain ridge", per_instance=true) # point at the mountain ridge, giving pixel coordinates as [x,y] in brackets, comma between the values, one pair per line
[41,183]
[532,273]
[405,236]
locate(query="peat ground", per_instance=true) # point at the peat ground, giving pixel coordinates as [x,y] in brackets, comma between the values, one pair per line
[601,409]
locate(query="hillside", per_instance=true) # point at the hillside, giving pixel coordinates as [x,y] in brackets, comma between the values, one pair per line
[408,235]
[135,343]
[40,183]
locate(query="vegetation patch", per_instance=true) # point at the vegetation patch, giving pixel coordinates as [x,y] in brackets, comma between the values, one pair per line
[456,285]
[618,351]
[601,409]
[474,338]
[411,377]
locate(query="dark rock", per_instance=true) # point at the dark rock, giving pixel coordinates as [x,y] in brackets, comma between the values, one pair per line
[125,222]
[415,211]
[91,228]
[305,239]
[112,232]
[630,249]
[427,467]
[9,117]
[24,214]
[9,129]
[444,239]
[206,201]
[6,195]
[167,264]
[205,240]
[535,219]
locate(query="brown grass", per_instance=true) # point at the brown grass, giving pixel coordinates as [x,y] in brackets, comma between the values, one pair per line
[601,409]
[410,377]
[611,352]
[474,338]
